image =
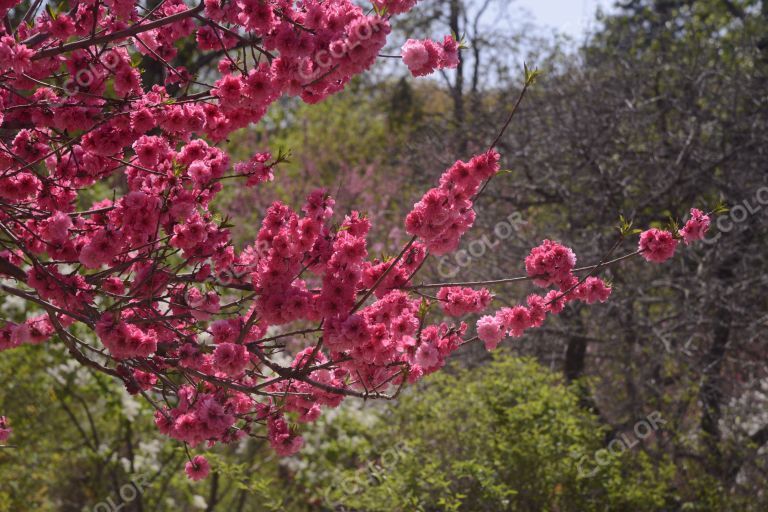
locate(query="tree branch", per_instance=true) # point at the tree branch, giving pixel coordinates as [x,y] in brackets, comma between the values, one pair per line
[8,268]
[120,34]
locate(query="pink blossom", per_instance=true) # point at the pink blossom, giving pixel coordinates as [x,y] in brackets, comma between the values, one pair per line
[197,468]
[657,246]
[550,263]
[423,57]
[450,56]
[537,310]
[20,334]
[395,6]
[283,441]
[415,54]
[62,26]
[56,228]
[101,248]
[593,290]
[696,227]
[515,320]
[445,213]
[113,285]
[231,358]
[256,169]
[40,329]
[125,340]
[226,331]
[490,331]
[555,301]
[427,356]
[458,301]
[5,429]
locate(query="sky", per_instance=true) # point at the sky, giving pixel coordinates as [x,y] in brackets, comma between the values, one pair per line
[572,17]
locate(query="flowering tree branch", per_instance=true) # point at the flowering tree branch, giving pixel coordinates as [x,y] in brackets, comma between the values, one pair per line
[174,311]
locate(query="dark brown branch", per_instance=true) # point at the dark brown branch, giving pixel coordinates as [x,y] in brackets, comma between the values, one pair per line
[8,268]
[120,34]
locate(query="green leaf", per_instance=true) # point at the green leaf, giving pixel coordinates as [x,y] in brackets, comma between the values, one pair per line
[625,226]
[530,74]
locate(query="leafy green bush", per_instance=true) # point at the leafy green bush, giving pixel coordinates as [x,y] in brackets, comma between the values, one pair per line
[507,436]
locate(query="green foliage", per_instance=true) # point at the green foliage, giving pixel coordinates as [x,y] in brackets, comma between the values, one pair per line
[79,439]
[531,75]
[507,436]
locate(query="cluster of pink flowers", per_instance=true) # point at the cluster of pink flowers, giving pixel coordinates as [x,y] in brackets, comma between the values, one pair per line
[553,264]
[457,301]
[423,57]
[258,169]
[70,292]
[385,337]
[395,6]
[281,437]
[696,227]
[125,340]
[445,213]
[657,245]
[15,56]
[303,398]
[312,49]
[516,320]
[550,263]
[5,429]
[200,416]
[394,277]
[34,331]
[197,468]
